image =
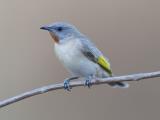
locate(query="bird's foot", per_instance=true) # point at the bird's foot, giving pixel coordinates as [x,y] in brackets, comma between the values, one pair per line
[66,83]
[88,81]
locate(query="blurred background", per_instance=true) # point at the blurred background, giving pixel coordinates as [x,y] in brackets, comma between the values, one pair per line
[127,31]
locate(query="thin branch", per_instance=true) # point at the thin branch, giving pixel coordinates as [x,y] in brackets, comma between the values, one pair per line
[44,89]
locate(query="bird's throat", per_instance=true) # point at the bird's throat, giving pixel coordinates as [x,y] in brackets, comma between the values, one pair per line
[54,37]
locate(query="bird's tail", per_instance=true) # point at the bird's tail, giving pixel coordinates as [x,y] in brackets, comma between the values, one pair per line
[119,84]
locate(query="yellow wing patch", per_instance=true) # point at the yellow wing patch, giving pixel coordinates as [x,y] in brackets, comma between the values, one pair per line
[104,64]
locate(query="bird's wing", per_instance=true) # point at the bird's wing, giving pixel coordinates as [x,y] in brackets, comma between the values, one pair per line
[94,54]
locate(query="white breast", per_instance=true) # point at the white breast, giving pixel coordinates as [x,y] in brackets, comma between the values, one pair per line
[66,52]
[72,58]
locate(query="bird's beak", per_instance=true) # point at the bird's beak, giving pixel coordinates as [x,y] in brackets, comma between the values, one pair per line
[46,28]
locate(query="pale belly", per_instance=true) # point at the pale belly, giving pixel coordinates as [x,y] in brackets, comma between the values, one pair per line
[76,62]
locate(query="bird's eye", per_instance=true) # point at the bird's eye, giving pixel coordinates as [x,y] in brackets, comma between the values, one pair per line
[59,29]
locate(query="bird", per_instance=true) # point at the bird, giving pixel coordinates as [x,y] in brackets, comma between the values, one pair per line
[79,55]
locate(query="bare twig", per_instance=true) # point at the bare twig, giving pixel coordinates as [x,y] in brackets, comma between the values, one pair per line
[44,89]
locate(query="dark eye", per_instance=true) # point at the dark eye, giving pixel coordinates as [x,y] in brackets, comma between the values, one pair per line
[59,29]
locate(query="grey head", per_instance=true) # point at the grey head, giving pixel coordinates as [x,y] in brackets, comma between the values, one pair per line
[60,31]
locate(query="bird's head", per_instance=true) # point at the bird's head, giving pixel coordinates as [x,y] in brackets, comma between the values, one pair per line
[61,31]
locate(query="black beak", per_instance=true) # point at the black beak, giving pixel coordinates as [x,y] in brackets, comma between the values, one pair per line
[46,28]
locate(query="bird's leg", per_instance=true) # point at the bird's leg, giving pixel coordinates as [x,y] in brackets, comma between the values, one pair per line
[88,81]
[66,83]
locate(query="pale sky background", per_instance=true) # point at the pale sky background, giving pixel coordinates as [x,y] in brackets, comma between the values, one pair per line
[127,31]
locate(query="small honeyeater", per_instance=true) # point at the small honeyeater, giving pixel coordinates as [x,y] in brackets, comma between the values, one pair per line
[78,54]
